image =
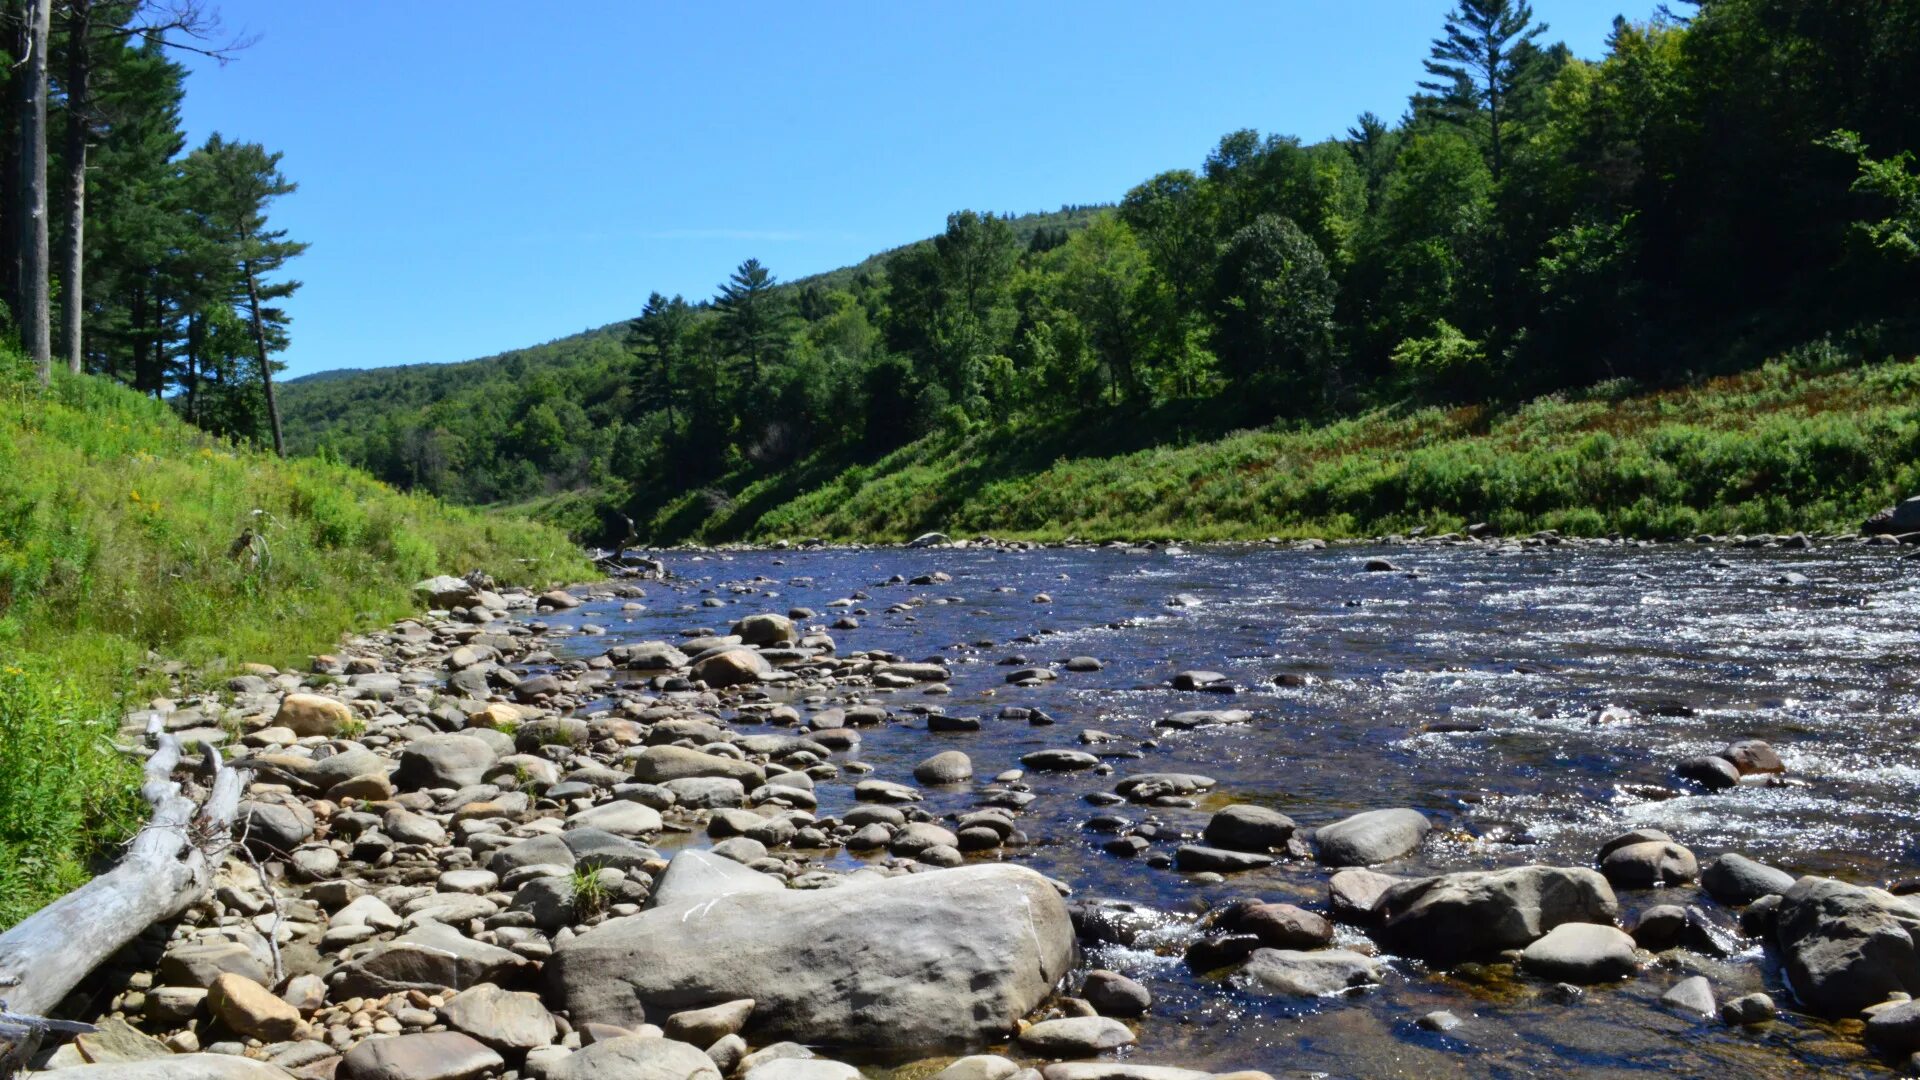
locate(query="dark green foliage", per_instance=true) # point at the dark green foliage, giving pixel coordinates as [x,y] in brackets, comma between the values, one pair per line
[1273,307]
[173,240]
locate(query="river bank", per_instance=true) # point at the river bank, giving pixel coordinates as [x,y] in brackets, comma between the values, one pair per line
[496,824]
[1790,446]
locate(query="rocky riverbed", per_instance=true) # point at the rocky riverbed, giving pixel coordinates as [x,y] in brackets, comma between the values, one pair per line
[1461,806]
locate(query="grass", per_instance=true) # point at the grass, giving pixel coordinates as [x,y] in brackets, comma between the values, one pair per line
[121,546]
[1776,449]
[588,891]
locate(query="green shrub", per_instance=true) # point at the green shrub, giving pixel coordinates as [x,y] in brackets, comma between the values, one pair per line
[65,791]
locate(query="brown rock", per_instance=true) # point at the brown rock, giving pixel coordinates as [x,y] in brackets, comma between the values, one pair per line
[311,714]
[249,1009]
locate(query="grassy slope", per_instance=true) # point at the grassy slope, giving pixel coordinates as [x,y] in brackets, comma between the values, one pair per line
[116,521]
[1772,449]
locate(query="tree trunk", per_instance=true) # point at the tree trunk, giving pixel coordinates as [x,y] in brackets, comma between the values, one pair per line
[195,334]
[168,867]
[36,323]
[10,170]
[79,104]
[260,350]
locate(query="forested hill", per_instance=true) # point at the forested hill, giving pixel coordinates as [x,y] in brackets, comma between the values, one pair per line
[357,412]
[1721,187]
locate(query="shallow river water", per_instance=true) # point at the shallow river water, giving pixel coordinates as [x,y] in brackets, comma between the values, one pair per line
[1517,646]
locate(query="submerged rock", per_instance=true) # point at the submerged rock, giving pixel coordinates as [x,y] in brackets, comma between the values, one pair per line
[1311,974]
[1692,995]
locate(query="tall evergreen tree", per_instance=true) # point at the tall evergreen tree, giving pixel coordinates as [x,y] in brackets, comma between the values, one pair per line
[661,339]
[753,317]
[1482,64]
[234,182]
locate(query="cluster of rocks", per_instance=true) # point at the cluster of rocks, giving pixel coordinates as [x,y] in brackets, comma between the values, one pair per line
[452,868]
[1848,951]
[455,865]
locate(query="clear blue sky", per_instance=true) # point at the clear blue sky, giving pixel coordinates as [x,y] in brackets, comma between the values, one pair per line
[485,175]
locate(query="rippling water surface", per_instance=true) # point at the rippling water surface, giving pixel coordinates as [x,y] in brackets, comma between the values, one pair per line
[1524,644]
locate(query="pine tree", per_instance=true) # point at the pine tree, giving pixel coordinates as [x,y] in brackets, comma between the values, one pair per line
[753,318]
[659,338]
[1483,63]
[232,183]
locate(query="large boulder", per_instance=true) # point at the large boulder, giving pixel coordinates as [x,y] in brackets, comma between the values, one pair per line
[443,761]
[660,764]
[937,960]
[343,766]
[503,1019]
[1582,953]
[1475,914]
[732,667]
[1902,517]
[648,656]
[1847,946]
[1376,836]
[274,826]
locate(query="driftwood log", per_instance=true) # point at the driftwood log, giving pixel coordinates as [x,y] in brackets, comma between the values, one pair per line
[167,868]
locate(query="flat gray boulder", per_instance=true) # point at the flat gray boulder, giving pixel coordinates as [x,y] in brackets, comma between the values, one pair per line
[443,761]
[1475,914]
[660,764]
[1376,836]
[938,960]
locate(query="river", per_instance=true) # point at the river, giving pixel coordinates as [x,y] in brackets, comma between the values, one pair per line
[1465,689]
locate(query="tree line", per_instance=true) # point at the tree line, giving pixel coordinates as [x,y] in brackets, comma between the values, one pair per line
[168,275]
[1726,181]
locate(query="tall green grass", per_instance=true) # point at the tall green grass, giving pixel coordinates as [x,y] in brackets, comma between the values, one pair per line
[1776,449]
[120,530]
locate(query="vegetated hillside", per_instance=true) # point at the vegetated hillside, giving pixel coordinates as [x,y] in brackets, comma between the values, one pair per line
[121,543]
[1784,447]
[1705,195]
[337,409]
